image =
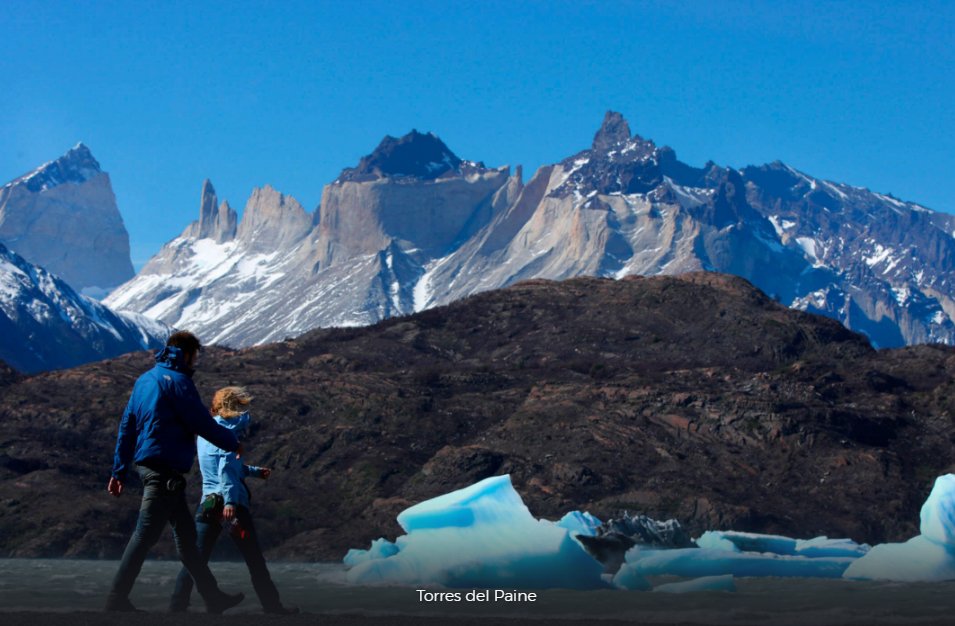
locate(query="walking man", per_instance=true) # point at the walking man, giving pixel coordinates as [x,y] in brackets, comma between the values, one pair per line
[157,434]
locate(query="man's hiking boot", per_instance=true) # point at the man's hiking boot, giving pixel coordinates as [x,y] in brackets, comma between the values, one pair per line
[178,608]
[281,610]
[224,602]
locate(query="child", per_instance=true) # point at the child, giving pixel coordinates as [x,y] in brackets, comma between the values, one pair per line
[225,497]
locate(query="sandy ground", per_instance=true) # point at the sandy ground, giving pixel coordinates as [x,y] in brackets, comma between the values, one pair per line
[71,593]
[89,618]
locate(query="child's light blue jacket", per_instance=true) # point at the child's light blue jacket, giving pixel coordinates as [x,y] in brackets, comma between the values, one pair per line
[222,472]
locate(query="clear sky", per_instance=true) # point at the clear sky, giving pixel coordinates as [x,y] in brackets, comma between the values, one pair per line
[288,93]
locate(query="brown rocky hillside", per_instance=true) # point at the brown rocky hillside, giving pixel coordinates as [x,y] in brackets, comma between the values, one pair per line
[696,397]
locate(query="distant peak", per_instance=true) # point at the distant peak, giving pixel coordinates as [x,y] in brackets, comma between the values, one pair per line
[76,166]
[416,154]
[216,221]
[613,131]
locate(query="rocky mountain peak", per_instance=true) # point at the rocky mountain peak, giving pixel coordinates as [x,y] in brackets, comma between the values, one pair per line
[617,162]
[614,131]
[272,220]
[418,155]
[216,221]
[68,202]
[76,166]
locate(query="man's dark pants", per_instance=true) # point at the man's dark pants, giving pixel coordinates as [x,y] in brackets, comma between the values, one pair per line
[247,541]
[163,502]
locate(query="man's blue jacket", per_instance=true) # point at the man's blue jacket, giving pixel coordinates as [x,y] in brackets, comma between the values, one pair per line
[163,417]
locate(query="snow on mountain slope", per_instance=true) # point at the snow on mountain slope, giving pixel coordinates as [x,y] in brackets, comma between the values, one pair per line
[413,226]
[46,325]
[282,271]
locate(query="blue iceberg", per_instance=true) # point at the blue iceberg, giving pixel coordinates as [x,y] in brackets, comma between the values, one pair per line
[479,536]
[777,544]
[927,557]
[702,562]
[484,536]
[581,523]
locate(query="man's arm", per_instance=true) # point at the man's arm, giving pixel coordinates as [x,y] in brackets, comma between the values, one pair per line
[125,443]
[196,417]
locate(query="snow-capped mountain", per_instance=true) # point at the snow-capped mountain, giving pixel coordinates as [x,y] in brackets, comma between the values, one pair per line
[45,324]
[283,271]
[413,226]
[63,216]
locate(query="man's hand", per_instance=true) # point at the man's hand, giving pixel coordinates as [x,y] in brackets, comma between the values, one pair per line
[115,487]
[265,472]
[228,513]
[238,452]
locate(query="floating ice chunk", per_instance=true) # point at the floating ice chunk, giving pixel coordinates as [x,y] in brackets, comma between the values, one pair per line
[928,557]
[481,536]
[938,512]
[627,578]
[380,549]
[696,562]
[490,501]
[823,546]
[583,523]
[714,540]
[747,542]
[707,583]
[918,559]
[778,544]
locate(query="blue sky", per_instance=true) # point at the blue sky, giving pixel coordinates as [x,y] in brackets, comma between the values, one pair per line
[288,93]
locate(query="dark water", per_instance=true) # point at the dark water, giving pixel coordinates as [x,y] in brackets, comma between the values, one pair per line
[72,585]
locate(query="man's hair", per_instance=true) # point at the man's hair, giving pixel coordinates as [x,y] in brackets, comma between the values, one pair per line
[185,341]
[231,402]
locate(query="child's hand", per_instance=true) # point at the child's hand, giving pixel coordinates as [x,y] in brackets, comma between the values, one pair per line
[265,472]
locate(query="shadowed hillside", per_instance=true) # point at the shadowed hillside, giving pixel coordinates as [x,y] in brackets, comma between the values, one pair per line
[696,397]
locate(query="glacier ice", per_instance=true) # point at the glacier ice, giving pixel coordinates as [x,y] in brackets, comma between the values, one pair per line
[699,562]
[484,536]
[481,536]
[380,549]
[929,556]
[580,523]
[918,559]
[777,544]
[938,512]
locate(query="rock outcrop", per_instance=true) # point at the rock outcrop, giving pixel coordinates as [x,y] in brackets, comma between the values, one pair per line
[353,262]
[413,226]
[694,397]
[45,324]
[63,217]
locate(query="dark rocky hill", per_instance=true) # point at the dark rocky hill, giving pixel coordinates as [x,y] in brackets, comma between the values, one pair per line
[694,396]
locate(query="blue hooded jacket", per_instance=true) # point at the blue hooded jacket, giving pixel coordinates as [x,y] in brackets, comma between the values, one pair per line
[221,471]
[162,418]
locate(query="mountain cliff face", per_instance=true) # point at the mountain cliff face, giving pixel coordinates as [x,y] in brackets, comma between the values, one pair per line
[283,271]
[45,324]
[693,396]
[626,206]
[63,216]
[413,226]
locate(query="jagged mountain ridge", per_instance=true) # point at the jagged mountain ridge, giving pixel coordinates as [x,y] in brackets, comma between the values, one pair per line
[45,324]
[63,216]
[413,226]
[283,271]
[693,396]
